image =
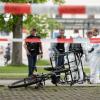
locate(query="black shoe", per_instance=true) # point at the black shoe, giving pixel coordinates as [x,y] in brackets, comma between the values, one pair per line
[36,69]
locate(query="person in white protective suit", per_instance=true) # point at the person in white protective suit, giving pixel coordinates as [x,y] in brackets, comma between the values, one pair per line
[88,47]
[88,50]
[95,60]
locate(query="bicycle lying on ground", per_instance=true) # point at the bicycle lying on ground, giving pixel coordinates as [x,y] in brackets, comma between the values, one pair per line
[55,72]
[38,79]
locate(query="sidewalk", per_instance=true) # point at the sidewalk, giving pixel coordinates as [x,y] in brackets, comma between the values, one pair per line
[48,83]
[50,93]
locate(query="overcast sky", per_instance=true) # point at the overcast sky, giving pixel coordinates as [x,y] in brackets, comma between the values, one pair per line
[83,2]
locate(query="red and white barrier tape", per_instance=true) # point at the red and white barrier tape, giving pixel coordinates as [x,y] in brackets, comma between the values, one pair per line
[3,39]
[66,40]
[21,8]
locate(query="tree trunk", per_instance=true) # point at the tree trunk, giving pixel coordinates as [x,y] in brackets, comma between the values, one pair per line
[17,46]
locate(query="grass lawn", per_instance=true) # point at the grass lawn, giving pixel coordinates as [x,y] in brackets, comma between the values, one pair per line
[9,72]
[43,63]
[21,71]
[16,71]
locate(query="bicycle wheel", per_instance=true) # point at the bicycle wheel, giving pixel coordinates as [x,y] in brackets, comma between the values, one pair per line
[25,82]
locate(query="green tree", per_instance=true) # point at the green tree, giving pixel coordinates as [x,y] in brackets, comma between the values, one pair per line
[59,1]
[42,23]
[14,24]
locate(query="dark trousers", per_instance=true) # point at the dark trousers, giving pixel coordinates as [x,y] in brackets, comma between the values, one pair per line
[7,58]
[31,63]
[60,61]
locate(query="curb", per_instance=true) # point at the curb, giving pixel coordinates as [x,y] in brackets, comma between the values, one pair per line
[48,83]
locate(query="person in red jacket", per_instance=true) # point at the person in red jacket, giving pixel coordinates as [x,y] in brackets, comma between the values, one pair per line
[33,49]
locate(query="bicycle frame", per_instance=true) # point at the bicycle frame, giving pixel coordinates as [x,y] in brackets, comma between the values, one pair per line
[55,73]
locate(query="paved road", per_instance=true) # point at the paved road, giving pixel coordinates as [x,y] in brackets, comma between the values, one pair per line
[51,93]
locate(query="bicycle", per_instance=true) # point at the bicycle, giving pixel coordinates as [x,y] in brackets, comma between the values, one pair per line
[39,79]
